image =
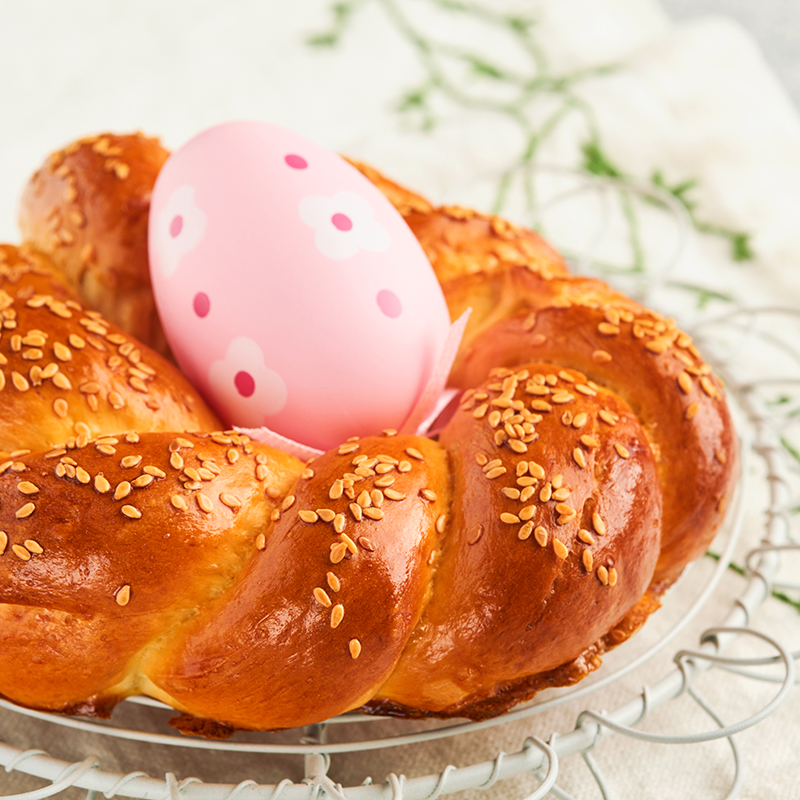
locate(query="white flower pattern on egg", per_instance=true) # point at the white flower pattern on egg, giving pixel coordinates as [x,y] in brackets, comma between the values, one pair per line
[343,225]
[178,229]
[242,383]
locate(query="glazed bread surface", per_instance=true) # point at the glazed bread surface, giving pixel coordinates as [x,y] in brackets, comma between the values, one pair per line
[587,460]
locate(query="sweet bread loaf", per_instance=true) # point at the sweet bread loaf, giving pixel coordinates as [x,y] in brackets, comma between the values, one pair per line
[586,462]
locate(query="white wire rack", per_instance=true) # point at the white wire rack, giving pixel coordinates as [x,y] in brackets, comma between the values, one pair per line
[746,345]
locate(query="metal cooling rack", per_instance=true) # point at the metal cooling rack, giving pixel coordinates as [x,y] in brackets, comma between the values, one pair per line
[753,351]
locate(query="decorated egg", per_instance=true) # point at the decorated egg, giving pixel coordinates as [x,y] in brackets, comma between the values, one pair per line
[293,294]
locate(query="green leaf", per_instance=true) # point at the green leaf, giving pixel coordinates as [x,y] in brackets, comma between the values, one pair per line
[486,69]
[742,251]
[791,449]
[329,39]
[596,162]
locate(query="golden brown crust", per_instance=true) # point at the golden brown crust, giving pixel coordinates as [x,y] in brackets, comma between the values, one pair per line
[66,372]
[87,207]
[553,538]
[108,548]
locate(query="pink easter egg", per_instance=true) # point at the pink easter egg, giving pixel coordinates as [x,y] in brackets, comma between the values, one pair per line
[293,294]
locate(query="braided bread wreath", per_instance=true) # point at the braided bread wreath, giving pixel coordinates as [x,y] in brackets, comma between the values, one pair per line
[145,551]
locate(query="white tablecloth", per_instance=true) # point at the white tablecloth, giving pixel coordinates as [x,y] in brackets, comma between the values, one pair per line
[692,102]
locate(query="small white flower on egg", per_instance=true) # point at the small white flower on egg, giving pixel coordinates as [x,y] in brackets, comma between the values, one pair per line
[343,225]
[242,384]
[178,228]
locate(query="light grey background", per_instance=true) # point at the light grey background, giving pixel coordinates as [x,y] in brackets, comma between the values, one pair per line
[774,23]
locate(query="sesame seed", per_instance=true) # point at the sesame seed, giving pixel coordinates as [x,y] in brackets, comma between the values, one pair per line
[130,461]
[261,541]
[34,547]
[404,466]
[306,515]
[607,329]
[393,494]
[480,411]
[355,648]
[496,473]
[62,352]
[321,596]
[347,448]
[585,536]
[518,446]
[356,511]
[622,450]
[589,441]
[366,543]
[721,456]
[82,475]
[609,417]
[526,494]
[204,503]
[441,522]
[601,356]
[509,519]
[526,513]
[525,531]
[546,492]
[602,574]
[475,536]
[20,382]
[536,470]
[326,514]
[373,513]
[598,524]
[336,490]
[511,493]
[685,382]
[541,405]
[21,552]
[561,398]
[287,503]
[708,386]
[337,615]
[692,410]
[587,560]
[657,346]
[26,487]
[580,458]
[559,548]
[339,523]
[334,583]
[612,577]
[540,534]
[25,511]
[561,494]
[123,595]
[131,512]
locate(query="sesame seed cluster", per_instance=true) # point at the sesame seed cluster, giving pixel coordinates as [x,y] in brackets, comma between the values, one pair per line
[353,500]
[79,367]
[189,487]
[541,504]
[87,209]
